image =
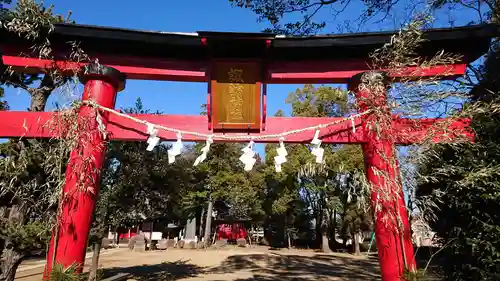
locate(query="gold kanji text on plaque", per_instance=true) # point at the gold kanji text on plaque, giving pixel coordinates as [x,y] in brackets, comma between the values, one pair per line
[236,95]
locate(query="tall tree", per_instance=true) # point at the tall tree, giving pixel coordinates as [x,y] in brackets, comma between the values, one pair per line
[317,187]
[137,184]
[462,181]
[32,170]
[318,191]
[458,190]
[356,215]
[222,178]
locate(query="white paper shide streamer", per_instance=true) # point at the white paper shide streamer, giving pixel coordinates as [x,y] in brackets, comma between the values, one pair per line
[204,152]
[247,157]
[316,149]
[248,154]
[176,149]
[153,137]
[281,157]
[222,136]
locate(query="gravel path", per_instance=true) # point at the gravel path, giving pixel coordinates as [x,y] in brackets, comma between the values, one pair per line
[241,264]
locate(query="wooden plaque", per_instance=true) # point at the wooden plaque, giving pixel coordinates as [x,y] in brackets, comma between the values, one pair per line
[236,96]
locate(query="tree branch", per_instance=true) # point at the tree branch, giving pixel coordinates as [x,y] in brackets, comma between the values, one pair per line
[306,20]
[305,8]
[19,85]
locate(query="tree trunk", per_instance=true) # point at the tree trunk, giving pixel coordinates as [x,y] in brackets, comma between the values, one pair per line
[11,261]
[12,258]
[289,241]
[40,95]
[208,223]
[117,237]
[3,214]
[96,247]
[200,231]
[334,230]
[151,236]
[355,243]
[325,247]
[38,100]
[95,261]
[318,240]
[285,232]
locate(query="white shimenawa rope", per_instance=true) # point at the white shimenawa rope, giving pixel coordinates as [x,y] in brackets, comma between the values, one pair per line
[225,137]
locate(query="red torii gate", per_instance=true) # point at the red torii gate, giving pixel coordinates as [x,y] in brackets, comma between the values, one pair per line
[202,57]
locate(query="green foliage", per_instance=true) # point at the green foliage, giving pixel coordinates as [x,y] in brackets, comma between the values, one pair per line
[27,237]
[318,102]
[137,184]
[419,275]
[222,178]
[31,171]
[318,194]
[3,104]
[356,214]
[463,181]
[31,21]
[28,18]
[60,273]
[355,219]
[3,10]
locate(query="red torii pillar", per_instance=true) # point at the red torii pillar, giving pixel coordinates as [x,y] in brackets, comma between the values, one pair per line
[69,238]
[392,233]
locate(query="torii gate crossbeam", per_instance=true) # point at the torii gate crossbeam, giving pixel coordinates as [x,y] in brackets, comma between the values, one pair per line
[410,131]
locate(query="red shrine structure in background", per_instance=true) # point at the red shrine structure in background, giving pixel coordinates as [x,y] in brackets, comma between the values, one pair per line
[236,67]
[231,231]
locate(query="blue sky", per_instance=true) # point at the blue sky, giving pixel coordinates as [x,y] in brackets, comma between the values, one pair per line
[189,16]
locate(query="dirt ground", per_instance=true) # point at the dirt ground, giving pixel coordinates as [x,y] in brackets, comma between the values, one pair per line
[241,264]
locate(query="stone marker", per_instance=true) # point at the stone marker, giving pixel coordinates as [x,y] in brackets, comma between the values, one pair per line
[140,243]
[131,243]
[170,243]
[241,242]
[106,243]
[162,244]
[190,230]
[220,243]
[190,245]
[181,244]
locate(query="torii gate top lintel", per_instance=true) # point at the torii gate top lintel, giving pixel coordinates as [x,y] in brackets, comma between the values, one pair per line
[187,57]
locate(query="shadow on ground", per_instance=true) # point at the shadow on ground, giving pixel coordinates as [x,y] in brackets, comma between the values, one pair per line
[158,272]
[264,267]
[261,267]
